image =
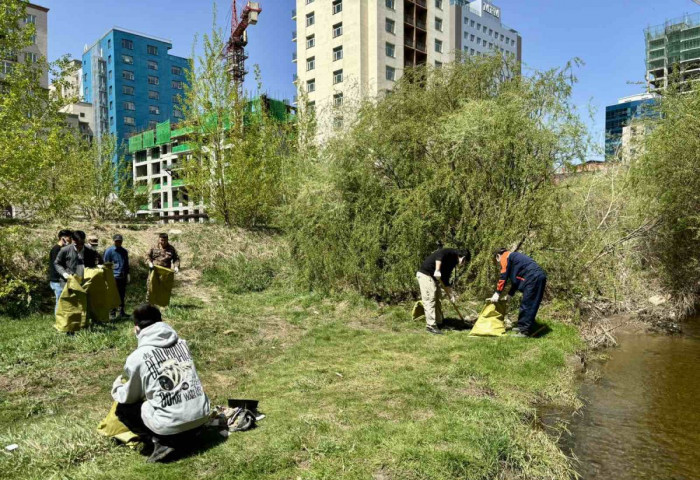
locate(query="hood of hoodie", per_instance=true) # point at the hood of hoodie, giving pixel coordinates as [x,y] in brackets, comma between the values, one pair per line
[160,335]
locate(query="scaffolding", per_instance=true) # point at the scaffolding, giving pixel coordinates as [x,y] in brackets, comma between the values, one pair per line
[673,53]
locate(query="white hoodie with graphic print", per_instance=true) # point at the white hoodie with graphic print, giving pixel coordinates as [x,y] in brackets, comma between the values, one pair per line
[161,374]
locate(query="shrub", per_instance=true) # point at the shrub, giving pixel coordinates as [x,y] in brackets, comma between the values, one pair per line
[241,274]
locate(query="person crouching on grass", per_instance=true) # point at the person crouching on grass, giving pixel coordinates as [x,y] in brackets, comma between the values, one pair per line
[159,395]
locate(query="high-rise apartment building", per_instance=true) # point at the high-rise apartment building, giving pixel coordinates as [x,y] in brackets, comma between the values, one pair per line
[38,16]
[673,49]
[479,31]
[620,116]
[132,82]
[347,50]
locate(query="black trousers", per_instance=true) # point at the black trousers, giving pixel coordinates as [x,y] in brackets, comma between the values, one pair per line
[130,415]
[121,288]
[530,303]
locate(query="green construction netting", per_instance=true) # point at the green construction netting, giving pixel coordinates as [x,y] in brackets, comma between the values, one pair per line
[148,138]
[163,133]
[135,143]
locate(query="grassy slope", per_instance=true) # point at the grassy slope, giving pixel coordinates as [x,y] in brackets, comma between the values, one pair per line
[351,389]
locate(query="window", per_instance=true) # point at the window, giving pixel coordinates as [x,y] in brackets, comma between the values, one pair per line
[485,28]
[490,45]
[438,24]
[471,23]
[338,53]
[438,46]
[32,57]
[471,38]
[177,113]
[438,4]
[152,49]
[471,51]
[390,73]
[151,125]
[338,77]
[338,99]
[127,90]
[152,65]
[153,80]
[390,25]
[337,6]
[310,41]
[109,43]
[176,84]
[175,70]
[110,74]
[309,1]
[111,120]
[311,85]
[128,44]
[128,59]
[490,31]
[129,106]
[337,29]
[129,121]
[127,75]
[154,110]
[310,19]
[390,50]
[312,106]
[338,122]
[33,39]
[30,19]
[153,95]
[478,41]
[478,26]
[391,4]
[501,37]
[111,105]
[110,90]
[438,64]
[310,63]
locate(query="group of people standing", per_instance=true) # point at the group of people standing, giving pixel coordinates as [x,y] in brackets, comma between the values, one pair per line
[72,255]
[524,274]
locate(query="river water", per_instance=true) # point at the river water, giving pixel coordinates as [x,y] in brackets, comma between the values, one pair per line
[642,418]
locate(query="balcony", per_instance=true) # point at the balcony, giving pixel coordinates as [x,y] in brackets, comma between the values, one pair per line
[295,78]
[181,148]
[421,47]
[178,182]
[294,14]
[409,42]
[294,36]
[421,24]
[409,20]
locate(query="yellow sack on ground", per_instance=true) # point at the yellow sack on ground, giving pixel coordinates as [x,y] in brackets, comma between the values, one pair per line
[102,294]
[418,311]
[491,321]
[71,314]
[160,286]
[112,427]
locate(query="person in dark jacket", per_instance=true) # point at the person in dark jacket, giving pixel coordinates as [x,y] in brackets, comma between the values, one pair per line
[119,256]
[438,267]
[64,238]
[526,276]
[74,258]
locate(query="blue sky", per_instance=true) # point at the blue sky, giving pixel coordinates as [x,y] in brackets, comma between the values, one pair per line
[606,34]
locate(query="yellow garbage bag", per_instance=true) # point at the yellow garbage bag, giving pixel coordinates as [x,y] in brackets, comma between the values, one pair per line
[102,294]
[112,427]
[418,311]
[491,321]
[71,314]
[160,286]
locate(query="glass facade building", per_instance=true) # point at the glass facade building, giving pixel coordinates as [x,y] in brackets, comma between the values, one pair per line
[620,115]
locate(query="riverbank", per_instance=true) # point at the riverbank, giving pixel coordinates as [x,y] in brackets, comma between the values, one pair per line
[352,389]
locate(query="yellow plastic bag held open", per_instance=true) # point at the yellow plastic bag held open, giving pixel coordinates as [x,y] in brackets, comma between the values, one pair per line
[160,286]
[112,427]
[71,314]
[491,321]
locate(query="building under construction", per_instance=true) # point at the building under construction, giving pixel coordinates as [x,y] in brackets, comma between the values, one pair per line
[673,53]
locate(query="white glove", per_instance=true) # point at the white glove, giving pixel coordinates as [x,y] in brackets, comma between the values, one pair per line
[437,274]
[128,278]
[177,269]
[507,298]
[495,298]
[66,276]
[453,297]
[150,265]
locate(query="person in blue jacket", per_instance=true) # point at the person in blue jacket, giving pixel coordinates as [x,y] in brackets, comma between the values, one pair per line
[119,256]
[526,276]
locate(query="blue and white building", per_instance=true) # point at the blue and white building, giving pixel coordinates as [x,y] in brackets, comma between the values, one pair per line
[620,116]
[479,30]
[133,83]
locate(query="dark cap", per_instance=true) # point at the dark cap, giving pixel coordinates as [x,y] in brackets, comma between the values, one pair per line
[118,238]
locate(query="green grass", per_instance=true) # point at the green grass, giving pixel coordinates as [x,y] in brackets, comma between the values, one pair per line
[351,389]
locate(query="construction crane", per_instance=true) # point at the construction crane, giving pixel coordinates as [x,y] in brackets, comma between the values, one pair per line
[234,52]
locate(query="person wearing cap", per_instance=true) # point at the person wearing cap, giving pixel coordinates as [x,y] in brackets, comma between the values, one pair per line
[163,254]
[75,257]
[93,242]
[64,238]
[119,256]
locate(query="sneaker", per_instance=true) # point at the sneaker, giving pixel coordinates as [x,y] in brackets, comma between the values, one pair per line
[160,452]
[433,330]
[520,333]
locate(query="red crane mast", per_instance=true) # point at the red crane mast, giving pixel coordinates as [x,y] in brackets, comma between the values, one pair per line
[235,47]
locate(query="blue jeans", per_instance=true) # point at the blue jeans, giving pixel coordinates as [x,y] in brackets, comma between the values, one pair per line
[57,289]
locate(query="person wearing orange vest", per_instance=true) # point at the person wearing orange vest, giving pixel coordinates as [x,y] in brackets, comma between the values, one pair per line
[526,276]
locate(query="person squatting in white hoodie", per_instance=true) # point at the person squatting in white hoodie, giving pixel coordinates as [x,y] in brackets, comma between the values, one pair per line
[159,395]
